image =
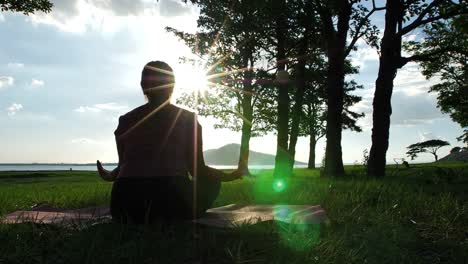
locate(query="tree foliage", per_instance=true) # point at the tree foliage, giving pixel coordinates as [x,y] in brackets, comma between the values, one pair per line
[314,111]
[343,23]
[229,41]
[429,146]
[464,137]
[455,150]
[402,18]
[26,6]
[448,42]
[278,36]
[225,105]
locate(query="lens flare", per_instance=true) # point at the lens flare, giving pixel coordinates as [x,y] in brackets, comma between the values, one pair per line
[279,185]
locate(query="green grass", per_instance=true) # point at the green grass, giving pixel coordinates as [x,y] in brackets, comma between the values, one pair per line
[416,215]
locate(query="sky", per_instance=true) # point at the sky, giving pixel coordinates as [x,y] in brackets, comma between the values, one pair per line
[66,77]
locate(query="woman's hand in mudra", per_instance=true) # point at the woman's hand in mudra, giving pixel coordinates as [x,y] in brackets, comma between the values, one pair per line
[105,174]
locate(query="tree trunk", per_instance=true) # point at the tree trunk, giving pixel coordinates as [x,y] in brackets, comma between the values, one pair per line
[333,152]
[245,147]
[313,127]
[282,156]
[247,112]
[299,101]
[336,47]
[312,143]
[246,135]
[389,62]
[435,156]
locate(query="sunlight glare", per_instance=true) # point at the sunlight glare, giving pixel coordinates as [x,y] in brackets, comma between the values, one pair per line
[190,79]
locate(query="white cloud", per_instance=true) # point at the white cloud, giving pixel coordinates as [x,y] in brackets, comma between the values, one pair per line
[37,83]
[80,15]
[6,81]
[365,106]
[411,110]
[83,109]
[14,108]
[411,81]
[121,7]
[423,136]
[15,65]
[171,8]
[85,141]
[408,109]
[2,18]
[67,15]
[110,107]
[363,56]
[410,37]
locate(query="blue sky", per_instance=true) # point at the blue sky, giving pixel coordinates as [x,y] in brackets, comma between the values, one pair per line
[65,78]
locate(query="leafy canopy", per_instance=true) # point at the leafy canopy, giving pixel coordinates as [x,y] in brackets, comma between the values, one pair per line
[228,41]
[26,6]
[429,146]
[447,41]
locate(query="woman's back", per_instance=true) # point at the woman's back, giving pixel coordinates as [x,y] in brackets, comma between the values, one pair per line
[155,142]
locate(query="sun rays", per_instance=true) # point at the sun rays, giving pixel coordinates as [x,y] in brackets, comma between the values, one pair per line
[191,79]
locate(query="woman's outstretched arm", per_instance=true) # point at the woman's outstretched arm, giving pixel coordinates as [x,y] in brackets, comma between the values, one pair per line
[111,175]
[199,167]
[105,174]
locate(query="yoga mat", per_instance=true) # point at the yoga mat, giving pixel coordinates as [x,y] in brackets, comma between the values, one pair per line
[226,216]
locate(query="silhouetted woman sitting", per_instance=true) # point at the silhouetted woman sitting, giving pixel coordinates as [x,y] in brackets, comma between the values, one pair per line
[161,171]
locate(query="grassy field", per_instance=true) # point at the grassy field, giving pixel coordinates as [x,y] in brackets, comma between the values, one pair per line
[415,215]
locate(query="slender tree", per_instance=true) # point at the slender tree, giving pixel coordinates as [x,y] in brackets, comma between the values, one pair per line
[313,115]
[228,38]
[341,20]
[308,50]
[401,18]
[282,159]
[295,39]
[313,112]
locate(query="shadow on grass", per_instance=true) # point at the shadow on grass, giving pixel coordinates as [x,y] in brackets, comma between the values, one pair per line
[267,242]
[34,175]
[417,215]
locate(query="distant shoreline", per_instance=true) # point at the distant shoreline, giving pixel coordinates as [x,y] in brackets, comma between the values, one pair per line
[115,164]
[55,164]
[92,166]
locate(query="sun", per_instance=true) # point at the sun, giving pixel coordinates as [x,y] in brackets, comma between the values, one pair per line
[190,79]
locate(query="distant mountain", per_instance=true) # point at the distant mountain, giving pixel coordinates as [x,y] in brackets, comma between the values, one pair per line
[229,155]
[456,156]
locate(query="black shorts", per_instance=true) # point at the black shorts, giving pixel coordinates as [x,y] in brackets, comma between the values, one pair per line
[146,200]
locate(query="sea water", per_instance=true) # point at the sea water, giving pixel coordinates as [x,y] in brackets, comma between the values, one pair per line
[92,167]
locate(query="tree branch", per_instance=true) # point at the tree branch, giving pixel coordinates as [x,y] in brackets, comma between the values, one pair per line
[419,21]
[425,56]
[357,34]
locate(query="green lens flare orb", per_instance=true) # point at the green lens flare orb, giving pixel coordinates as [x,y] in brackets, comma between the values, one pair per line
[279,185]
